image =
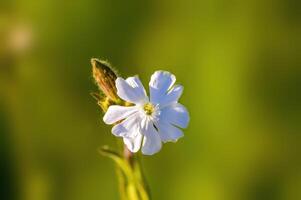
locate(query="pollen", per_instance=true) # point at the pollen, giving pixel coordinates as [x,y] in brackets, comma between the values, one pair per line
[148,108]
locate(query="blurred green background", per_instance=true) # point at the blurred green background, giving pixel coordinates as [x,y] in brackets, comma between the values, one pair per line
[240,64]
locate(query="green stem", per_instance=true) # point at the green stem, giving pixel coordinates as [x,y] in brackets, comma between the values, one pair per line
[139,182]
[121,183]
[132,184]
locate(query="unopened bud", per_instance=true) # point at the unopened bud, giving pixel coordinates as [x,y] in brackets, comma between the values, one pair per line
[105,78]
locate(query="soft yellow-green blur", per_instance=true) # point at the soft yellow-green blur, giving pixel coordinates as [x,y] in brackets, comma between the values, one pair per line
[239,62]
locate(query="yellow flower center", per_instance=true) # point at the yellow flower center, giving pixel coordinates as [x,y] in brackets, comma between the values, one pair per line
[148,108]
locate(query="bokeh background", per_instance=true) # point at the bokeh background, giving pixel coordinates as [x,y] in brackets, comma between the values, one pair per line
[240,64]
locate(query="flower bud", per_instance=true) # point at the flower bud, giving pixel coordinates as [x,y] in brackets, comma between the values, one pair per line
[105,78]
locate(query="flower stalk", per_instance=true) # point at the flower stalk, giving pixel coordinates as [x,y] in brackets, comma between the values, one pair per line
[132,184]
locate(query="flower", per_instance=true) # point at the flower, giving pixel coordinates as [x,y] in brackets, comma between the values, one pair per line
[150,121]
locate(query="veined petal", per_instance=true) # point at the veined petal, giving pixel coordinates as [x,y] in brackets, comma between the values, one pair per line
[172,96]
[131,90]
[175,114]
[152,141]
[116,113]
[133,143]
[168,132]
[160,83]
[127,128]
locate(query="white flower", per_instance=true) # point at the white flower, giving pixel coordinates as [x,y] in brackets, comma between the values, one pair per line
[150,121]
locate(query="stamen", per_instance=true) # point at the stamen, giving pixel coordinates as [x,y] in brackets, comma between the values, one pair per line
[148,108]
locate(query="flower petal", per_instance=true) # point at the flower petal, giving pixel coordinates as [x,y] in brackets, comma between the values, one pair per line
[116,113]
[127,128]
[175,114]
[137,85]
[131,90]
[133,143]
[152,141]
[172,96]
[160,83]
[168,132]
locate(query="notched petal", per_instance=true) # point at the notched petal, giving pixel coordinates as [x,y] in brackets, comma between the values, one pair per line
[133,143]
[136,84]
[169,133]
[131,90]
[175,114]
[160,83]
[172,96]
[128,127]
[152,141]
[116,113]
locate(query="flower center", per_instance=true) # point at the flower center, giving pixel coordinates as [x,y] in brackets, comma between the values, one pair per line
[148,108]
